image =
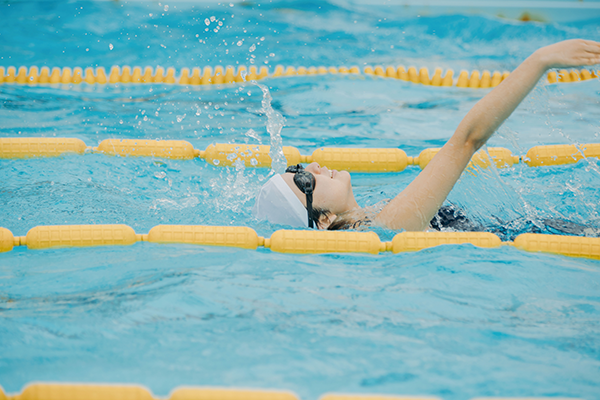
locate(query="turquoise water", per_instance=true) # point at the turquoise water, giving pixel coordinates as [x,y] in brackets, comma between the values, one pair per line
[454,321]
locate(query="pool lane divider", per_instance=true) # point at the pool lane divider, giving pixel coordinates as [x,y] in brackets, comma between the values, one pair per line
[230,75]
[349,159]
[81,391]
[289,241]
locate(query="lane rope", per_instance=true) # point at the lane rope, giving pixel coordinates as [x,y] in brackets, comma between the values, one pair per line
[349,159]
[79,391]
[228,75]
[289,241]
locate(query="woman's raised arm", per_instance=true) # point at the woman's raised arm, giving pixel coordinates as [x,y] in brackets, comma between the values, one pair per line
[416,205]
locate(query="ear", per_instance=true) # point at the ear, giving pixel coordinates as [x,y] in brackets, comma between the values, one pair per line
[326,220]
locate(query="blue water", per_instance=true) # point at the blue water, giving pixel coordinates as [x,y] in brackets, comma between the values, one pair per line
[454,321]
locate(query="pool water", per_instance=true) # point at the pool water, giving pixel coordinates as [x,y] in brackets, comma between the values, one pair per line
[452,321]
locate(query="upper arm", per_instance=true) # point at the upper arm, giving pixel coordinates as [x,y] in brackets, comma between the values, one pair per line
[416,205]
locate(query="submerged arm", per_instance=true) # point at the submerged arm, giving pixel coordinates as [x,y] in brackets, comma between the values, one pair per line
[416,205]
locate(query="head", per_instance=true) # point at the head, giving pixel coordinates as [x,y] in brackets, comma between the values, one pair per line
[331,196]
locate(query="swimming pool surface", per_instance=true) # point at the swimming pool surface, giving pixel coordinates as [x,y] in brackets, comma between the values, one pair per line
[452,321]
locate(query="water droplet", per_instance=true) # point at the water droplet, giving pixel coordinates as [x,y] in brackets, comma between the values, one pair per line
[252,48]
[160,174]
[252,134]
[240,42]
[207,21]
[253,162]
[110,46]
[216,162]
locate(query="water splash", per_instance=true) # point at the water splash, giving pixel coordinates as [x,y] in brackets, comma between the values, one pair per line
[275,122]
[233,188]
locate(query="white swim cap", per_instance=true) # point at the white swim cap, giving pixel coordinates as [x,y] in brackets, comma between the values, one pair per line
[277,203]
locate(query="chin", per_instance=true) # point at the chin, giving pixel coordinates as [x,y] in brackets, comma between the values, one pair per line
[345,175]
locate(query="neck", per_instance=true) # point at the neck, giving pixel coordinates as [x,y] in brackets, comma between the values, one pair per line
[352,204]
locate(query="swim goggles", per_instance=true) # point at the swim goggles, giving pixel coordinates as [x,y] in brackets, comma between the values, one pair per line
[306,183]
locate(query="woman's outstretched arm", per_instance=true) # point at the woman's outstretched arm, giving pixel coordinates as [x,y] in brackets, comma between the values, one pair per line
[416,205]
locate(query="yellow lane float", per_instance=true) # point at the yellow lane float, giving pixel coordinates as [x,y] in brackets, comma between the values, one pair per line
[310,242]
[7,240]
[40,147]
[572,246]
[43,237]
[59,391]
[562,154]
[231,236]
[500,157]
[361,160]
[176,149]
[226,155]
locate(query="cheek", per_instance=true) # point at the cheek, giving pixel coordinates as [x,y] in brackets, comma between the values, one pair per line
[332,193]
[327,194]
[338,196]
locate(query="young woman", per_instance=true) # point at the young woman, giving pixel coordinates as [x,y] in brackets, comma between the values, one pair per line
[318,197]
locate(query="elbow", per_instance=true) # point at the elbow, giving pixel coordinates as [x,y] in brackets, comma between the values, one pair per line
[473,145]
[468,146]
[475,139]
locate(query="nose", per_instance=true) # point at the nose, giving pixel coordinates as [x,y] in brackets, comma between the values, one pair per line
[314,167]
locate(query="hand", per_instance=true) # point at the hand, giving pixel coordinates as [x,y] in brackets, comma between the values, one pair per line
[570,53]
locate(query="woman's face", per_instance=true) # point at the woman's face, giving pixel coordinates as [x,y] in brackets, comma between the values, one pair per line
[333,189]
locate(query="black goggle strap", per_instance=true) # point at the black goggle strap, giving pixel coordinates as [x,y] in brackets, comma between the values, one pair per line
[309,209]
[305,182]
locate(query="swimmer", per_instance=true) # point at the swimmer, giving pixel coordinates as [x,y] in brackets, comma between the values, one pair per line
[318,197]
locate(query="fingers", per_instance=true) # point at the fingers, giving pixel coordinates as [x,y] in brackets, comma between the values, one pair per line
[592,61]
[592,47]
[584,60]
